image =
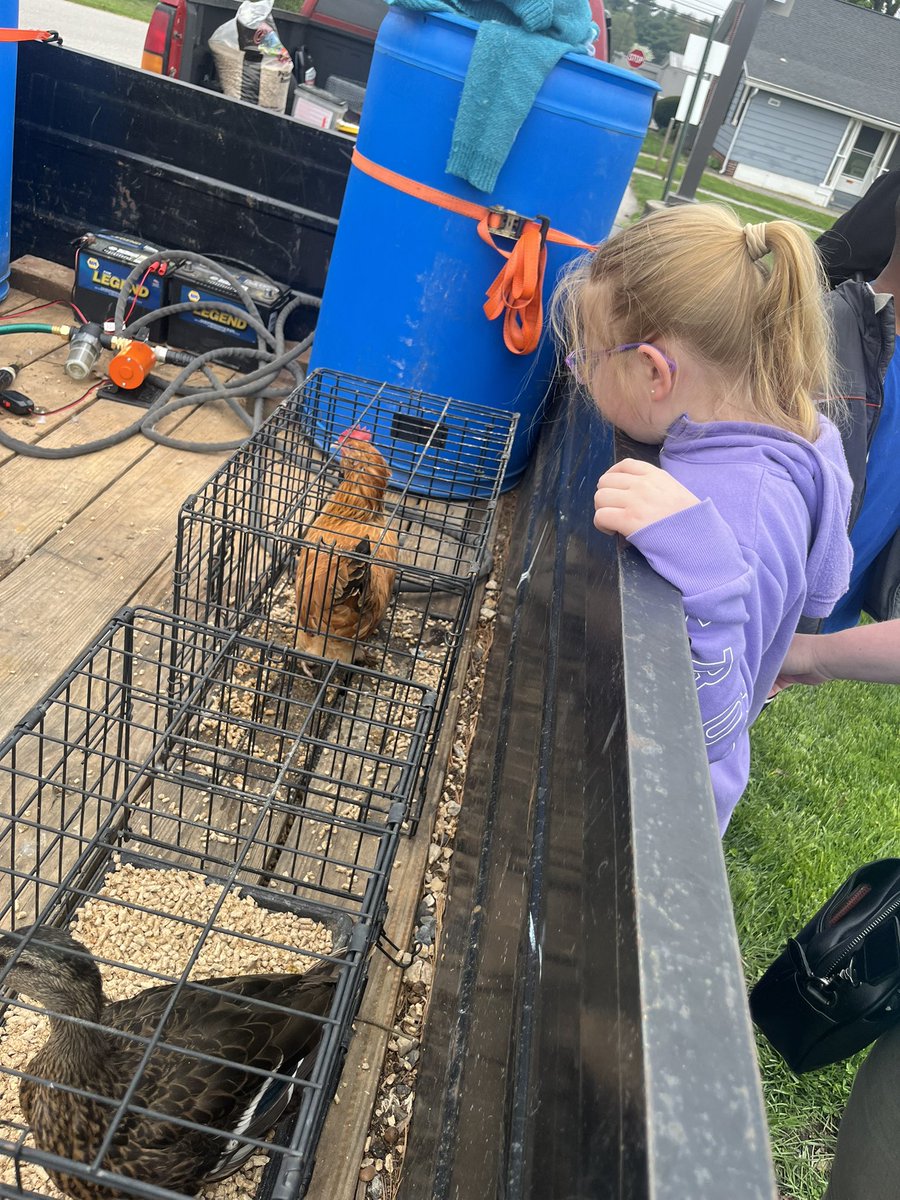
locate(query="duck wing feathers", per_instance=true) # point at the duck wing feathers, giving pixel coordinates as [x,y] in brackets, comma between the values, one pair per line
[225,1025]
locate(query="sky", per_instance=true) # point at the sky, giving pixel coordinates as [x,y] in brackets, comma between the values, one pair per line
[698,8]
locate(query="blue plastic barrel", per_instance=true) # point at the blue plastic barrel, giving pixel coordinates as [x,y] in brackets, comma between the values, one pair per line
[9,19]
[407,280]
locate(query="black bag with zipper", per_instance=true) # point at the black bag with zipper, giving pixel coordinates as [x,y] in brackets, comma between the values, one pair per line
[836,986]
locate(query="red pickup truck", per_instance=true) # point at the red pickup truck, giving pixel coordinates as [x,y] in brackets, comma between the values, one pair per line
[337,34]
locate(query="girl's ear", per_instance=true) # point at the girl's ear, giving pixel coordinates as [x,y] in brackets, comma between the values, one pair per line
[659,370]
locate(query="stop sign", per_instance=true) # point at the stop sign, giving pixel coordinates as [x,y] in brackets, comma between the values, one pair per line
[636,57]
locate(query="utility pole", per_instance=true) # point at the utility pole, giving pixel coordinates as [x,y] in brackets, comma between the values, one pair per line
[723,90]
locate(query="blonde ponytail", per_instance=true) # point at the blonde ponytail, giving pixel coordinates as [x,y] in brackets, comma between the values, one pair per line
[791,339]
[745,298]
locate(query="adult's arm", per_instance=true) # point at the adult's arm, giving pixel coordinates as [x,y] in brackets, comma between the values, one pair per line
[870,653]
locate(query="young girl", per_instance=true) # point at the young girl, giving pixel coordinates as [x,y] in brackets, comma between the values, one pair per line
[709,339]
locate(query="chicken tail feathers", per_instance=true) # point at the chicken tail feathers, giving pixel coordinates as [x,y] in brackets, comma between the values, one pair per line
[358,575]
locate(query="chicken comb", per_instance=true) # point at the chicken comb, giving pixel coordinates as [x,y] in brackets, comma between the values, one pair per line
[355,431]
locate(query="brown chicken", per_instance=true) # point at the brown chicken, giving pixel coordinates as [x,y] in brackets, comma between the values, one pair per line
[341,600]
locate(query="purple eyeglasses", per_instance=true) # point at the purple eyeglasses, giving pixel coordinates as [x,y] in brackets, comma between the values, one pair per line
[580,362]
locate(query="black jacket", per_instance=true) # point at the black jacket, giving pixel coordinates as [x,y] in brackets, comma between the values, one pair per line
[863,326]
[860,242]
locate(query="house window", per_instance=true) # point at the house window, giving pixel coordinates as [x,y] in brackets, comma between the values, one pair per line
[774,102]
[864,149]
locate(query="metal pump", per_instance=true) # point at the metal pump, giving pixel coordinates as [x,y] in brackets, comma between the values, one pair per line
[84,350]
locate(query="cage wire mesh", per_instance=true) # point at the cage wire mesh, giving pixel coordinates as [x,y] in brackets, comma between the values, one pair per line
[354,524]
[192,807]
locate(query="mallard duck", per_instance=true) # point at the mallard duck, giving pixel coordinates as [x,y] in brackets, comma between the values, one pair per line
[58,973]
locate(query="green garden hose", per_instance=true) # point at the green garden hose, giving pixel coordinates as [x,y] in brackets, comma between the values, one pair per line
[57,329]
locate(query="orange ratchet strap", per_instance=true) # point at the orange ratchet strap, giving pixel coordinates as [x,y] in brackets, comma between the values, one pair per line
[517,291]
[29,35]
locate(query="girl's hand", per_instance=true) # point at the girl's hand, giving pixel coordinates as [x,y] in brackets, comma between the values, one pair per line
[633,494]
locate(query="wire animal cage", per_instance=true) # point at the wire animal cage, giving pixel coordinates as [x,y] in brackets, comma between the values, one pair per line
[286,513]
[192,807]
[437,448]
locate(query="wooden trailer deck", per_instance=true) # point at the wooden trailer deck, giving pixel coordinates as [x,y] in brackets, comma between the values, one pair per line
[82,537]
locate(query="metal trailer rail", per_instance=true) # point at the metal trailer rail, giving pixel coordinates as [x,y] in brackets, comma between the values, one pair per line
[589,1035]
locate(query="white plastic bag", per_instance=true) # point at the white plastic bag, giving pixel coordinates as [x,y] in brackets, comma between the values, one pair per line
[251,61]
[256,30]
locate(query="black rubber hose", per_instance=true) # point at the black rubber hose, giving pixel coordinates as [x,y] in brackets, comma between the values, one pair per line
[164,405]
[256,385]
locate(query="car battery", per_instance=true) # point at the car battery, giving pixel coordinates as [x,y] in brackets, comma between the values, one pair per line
[103,261]
[209,327]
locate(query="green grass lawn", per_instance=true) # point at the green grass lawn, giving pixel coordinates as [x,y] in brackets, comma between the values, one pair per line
[737,196]
[823,799]
[140,10]
[649,187]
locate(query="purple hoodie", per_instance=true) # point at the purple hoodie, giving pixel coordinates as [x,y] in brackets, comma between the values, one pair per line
[767,544]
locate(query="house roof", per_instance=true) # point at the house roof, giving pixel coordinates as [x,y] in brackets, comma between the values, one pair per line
[837,53]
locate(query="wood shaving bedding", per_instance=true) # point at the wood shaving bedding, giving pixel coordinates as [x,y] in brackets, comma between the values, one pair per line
[158,941]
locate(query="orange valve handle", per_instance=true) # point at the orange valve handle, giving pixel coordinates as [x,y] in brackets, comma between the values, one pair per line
[131,366]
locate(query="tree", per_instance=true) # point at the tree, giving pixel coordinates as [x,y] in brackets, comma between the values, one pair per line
[624,34]
[664,110]
[662,29]
[890,8]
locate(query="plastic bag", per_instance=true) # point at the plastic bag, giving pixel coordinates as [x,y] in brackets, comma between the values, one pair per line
[251,61]
[256,30]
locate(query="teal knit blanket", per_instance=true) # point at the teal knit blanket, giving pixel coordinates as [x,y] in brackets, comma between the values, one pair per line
[517,45]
